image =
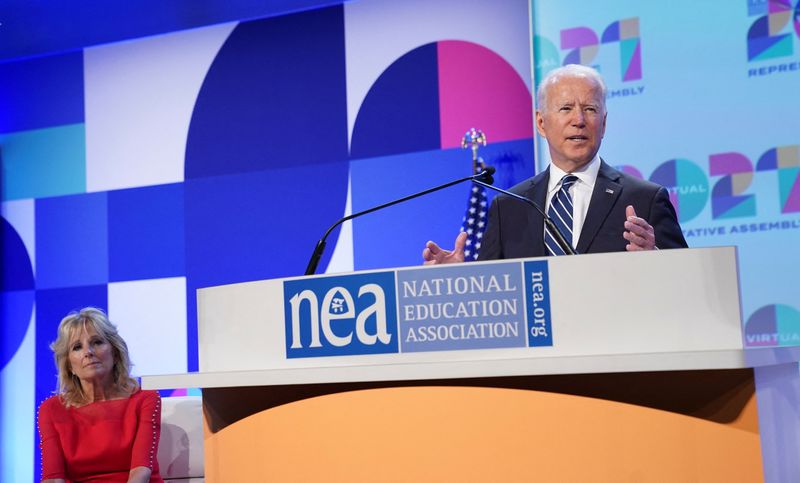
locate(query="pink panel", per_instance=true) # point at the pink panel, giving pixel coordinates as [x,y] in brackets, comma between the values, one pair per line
[729,163]
[478,88]
[792,204]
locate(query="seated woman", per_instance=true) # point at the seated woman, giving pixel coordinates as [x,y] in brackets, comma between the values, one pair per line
[100,426]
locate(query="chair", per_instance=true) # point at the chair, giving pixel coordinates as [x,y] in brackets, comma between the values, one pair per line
[180,451]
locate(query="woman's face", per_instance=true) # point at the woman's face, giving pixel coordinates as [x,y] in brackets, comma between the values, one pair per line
[91,356]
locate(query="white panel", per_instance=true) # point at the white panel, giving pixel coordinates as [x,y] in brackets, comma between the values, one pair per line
[18,411]
[21,215]
[600,308]
[180,449]
[342,258]
[378,32]
[151,317]
[139,101]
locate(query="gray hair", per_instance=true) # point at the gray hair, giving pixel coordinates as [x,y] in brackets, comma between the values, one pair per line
[569,70]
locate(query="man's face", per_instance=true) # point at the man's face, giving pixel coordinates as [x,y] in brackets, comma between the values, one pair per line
[573,121]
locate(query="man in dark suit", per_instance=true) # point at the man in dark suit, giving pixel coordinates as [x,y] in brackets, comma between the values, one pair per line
[606,210]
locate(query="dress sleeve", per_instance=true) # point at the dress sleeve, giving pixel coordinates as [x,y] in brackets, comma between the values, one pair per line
[148,431]
[50,444]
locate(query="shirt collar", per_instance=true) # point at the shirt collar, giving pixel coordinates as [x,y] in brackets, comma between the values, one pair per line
[587,174]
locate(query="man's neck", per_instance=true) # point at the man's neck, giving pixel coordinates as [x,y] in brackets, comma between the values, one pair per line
[559,168]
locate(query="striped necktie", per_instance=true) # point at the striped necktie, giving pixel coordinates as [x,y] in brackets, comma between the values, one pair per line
[560,211]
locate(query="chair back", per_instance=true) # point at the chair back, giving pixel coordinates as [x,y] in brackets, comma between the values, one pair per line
[180,450]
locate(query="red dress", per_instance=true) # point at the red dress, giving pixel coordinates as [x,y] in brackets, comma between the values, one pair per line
[101,441]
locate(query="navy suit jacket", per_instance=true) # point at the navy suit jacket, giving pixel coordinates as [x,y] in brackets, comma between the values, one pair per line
[516,230]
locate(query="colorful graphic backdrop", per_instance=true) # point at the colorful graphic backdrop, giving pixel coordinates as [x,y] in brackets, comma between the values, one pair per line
[136,172]
[701,100]
[703,109]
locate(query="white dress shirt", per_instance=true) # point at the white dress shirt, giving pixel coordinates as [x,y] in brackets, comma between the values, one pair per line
[580,191]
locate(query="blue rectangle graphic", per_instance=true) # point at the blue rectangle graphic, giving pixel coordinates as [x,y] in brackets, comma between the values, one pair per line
[469,306]
[537,295]
[340,316]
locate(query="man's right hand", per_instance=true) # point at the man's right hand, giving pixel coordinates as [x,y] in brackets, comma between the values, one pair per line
[433,254]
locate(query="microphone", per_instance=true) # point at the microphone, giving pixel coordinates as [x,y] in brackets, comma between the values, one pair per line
[484,176]
[551,227]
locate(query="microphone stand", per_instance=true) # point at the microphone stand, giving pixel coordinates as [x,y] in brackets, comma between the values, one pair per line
[311,269]
[551,227]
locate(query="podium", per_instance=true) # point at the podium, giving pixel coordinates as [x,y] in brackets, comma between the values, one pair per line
[607,367]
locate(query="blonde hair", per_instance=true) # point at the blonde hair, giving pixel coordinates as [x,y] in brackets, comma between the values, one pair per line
[69,386]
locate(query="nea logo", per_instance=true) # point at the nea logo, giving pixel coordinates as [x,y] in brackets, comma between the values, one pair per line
[338,316]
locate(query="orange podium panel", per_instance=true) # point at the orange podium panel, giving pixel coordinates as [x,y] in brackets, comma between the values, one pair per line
[480,434]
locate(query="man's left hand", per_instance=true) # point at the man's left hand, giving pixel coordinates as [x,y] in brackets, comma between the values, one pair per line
[638,232]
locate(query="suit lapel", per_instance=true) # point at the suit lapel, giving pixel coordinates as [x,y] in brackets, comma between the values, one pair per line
[538,193]
[606,191]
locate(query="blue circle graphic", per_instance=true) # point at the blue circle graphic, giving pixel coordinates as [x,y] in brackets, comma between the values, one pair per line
[16,291]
